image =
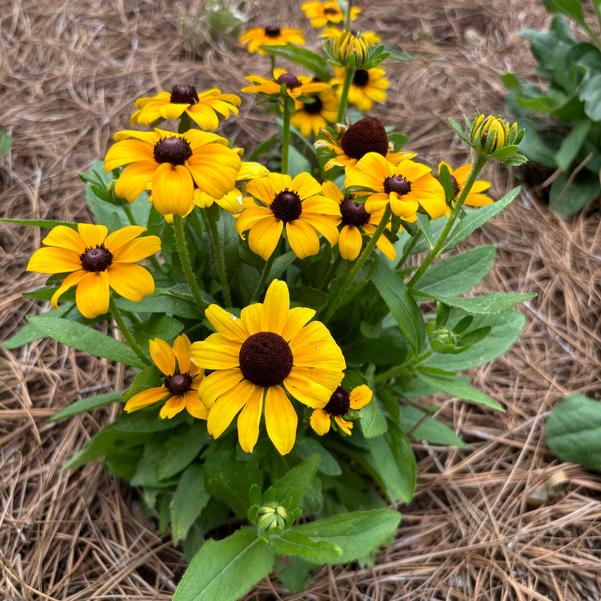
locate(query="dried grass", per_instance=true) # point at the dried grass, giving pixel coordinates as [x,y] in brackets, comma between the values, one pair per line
[68,73]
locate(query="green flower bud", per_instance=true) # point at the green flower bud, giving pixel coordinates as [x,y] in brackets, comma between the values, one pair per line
[272,517]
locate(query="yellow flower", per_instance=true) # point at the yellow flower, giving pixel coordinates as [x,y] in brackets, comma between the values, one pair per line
[268,353]
[180,382]
[310,117]
[368,86]
[356,140]
[204,108]
[324,13]
[493,133]
[172,165]
[459,176]
[368,37]
[97,261]
[270,36]
[296,85]
[406,186]
[355,219]
[349,48]
[296,203]
[340,403]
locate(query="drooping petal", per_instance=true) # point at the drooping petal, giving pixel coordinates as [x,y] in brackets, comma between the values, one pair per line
[71,280]
[194,406]
[320,422]
[344,425]
[162,356]
[264,237]
[226,323]
[215,168]
[172,407]
[280,419]
[226,407]
[65,237]
[249,217]
[308,392]
[328,378]
[92,294]
[134,179]
[303,239]
[250,418]
[350,242]
[360,396]
[172,190]
[275,307]
[218,383]
[50,259]
[145,398]
[181,350]
[131,281]
[326,225]
[216,352]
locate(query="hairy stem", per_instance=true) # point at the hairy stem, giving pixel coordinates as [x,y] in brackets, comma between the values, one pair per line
[125,331]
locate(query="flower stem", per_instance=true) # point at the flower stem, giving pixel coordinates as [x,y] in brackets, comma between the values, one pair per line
[211,216]
[184,258]
[263,278]
[350,278]
[347,16]
[129,337]
[435,250]
[271,70]
[286,135]
[349,72]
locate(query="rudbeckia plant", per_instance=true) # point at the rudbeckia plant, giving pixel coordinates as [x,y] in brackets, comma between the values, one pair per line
[285,318]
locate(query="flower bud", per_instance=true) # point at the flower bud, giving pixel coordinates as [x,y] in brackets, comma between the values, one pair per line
[272,517]
[492,133]
[349,49]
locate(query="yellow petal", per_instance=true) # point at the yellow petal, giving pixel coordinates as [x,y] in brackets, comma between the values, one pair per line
[122,236]
[227,407]
[302,238]
[275,307]
[215,168]
[328,378]
[308,392]
[251,315]
[344,425]
[226,323]
[360,396]
[249,420]
[218,383]
[262,189]
[128,151]
[296,320]
[172,407]
[326,225]
[216,352]
[138,249]
[71,280]
[386,247]
[134,179]
[92,235]
[350,242]
[314,346]
[369,172]
[65,237]
[194,406]
[172,190]
[53,260]
[248,218]
[131,281]
[173,110]
[320,422]
[264,237]
[306,185]
[162,356]
[93,294]
[280,419]
[181,350]
[145,398]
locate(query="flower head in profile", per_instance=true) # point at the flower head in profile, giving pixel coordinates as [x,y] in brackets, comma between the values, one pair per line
[181,380]
[355,141]
[97,261]
[271,35]
[369,38]
[406,187]
[476,196]
[313,112]
[326,13]
[340,403]
[297,206]
[296,84]
[271,353]
[368,86]
[356,221]
[172,164]
[348,49]
[203,108]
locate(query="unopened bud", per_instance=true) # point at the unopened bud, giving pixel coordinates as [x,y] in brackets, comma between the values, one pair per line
[272,517]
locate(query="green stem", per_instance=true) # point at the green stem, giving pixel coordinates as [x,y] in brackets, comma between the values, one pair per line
[399,370]
[346,86]
[347,16]
[435,250]
[331,271]
[211,216]
[350,278]
[263,278]
[409,249]
[285,135]
[272,57]
[597,8]
[184,258]
[129,337]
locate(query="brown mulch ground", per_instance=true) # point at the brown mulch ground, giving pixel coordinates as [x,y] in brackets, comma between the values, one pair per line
[68,73]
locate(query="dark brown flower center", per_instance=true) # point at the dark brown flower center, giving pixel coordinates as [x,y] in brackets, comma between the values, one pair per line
[96,259]
[287,206]
[265,359]
[184,94]
[361,78]
[398,184]
[330,11]
[353,213]
[172,150]
[289,80]
[272,32]
[339,403]
[179,383]
[366,135]
[313,108]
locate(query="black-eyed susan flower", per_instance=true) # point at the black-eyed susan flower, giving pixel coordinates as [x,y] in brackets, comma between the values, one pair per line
[172,165]
[476,196]
[203,108]
[324,13]
[355,220]
[492,133]
[298,205]
[314,112]
[355,141]
[368,86]
[259,360]
[254,38]
[97,261]
[181,380]
[406,186]
[296,84]
[340,403]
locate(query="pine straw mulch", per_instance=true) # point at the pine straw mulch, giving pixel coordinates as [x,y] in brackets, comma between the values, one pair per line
[68,72]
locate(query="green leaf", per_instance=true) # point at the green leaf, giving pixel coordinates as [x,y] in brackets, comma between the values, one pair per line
[357,533]
[5,143]
[398,55]
[162,303]
[423,427]
[591,96]
[572,143]
[293,572]
[567,197]
[573,431]
[305,447]
[157,326]
[457,386]
[28,333]
[289,542]
[403,308]
[301,56]
[488,304]
[226,569]
[373,421]
[459,273]
[180,450]
[188,501]
[423,222]
[289,490]
[84,338]
[48,223]
[147,378]
[570,8]
[87,404]
[478,217]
